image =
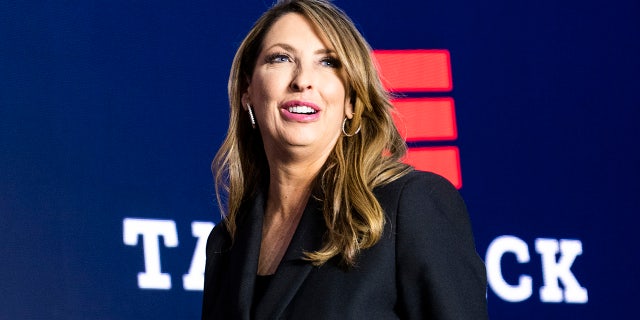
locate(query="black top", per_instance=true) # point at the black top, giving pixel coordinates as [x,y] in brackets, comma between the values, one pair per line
[259,289]
[262,283]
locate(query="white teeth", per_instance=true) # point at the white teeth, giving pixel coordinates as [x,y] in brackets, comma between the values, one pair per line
[301,109]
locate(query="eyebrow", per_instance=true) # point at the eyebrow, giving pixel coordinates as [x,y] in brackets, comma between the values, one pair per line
[292,49]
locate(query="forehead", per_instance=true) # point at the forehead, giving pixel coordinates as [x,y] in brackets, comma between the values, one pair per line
[296,30]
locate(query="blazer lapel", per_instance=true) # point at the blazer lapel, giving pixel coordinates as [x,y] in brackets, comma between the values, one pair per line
[293,270]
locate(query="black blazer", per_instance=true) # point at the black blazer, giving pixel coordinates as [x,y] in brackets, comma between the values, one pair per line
[424,267]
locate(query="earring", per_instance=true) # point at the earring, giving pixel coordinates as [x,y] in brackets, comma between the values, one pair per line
[344,122]
[251,117]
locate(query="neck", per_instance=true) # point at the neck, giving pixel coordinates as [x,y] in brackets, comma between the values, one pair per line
[291,179]
[289,189]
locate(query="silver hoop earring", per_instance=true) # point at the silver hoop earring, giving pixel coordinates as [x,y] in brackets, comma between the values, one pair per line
[251,117]
[344,122]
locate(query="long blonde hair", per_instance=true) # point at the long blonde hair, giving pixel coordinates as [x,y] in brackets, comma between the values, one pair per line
[359,163]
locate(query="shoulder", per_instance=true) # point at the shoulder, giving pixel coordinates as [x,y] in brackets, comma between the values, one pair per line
[219,239]
[217,249]
[418,189]
[425,204]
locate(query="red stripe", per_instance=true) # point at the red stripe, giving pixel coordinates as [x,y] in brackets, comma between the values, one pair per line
[426,119]
[444,161]
[414,70]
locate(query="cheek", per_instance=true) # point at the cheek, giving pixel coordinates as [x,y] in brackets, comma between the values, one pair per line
[334,88]
[265,87]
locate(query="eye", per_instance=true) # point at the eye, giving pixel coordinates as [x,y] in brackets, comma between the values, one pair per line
[330,62]
[278,58]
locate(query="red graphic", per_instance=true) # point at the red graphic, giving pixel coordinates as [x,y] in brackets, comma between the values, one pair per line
[423,119]
[415,70]
[426,119]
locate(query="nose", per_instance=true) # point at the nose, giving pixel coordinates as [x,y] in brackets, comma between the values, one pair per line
[302,78]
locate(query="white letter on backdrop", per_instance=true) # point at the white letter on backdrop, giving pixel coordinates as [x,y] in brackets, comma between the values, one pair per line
[194,280]
[498,247]
[151,230]
[560,270]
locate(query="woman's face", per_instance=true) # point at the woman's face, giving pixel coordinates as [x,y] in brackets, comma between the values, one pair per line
[296,91]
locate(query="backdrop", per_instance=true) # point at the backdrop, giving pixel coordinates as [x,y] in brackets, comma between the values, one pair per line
[111,111]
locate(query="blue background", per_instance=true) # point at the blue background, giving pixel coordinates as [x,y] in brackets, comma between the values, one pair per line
[114,109]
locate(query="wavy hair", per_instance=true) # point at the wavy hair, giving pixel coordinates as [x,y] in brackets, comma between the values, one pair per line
[359,163]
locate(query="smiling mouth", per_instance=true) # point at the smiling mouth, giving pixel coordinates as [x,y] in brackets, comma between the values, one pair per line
[302,110]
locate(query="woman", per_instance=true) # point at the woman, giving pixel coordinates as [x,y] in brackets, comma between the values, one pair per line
[322,220]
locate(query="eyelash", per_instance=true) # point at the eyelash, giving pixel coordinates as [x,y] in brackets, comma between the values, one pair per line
[329,60]
[272,57]
[334,62]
